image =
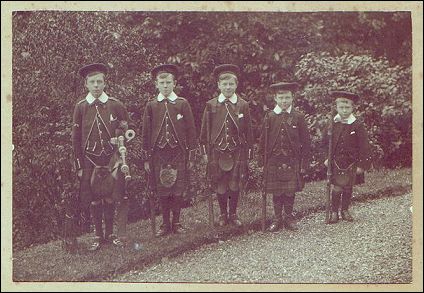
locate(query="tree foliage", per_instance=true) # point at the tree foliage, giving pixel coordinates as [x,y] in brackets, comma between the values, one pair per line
[365,52]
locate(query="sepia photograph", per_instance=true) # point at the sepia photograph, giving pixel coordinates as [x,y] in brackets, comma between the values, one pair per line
[181,145]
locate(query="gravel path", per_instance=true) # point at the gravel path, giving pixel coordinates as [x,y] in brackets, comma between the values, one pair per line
[376,248]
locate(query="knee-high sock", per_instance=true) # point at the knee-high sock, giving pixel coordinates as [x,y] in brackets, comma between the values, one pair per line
[176,209]
[97,217]
[278,205]
[166,210]
[346,198]
[335,200]
[122,217]
[109,213]
[288,200]
[222,201]
[233,197]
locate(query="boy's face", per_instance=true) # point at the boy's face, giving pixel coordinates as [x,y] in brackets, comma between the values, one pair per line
[344,107]
[227,86]
[165,84]
[284,99]
[95,84]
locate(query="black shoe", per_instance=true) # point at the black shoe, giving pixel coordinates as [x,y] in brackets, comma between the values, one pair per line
[163,230]
[178,228]
[235,221]
[290,224]
[222,220]
[275,226]
[95,245]
[334,218]
[346,216]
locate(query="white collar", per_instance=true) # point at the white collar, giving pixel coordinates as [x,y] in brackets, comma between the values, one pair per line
[103,98]
[172,97]
[277,109]
[222,98]
[349,119]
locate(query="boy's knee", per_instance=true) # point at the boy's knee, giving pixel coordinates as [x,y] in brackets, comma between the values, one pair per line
[337,188]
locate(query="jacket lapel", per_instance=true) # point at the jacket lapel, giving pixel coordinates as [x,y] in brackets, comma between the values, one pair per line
[275,129]
[339,134]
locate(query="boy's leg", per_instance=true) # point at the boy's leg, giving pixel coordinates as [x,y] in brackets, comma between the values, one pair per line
[346,199]
[335,203]
[109,213]
[176,203]
[223,203]
[122,217]
[288,200]
[166,210]
[97,218]
[233,197]
[277,200]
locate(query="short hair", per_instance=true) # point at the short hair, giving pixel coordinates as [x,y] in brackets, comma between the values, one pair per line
[164,74]
[95,73]
[344,100]
[283,91]
[226,76]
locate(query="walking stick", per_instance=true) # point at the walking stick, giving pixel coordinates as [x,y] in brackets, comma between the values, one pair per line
[208,180]
[329,171]
[265,175]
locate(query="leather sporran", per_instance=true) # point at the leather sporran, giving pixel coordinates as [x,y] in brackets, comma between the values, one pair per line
[344,177]
[168,175]
[102,181]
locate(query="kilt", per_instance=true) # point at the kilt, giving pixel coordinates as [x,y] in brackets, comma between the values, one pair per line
[231,180]
[177,160]
[116,187]
[283,175]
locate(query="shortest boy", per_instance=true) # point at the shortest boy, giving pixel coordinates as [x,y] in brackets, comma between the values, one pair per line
[284,149]
[350,153]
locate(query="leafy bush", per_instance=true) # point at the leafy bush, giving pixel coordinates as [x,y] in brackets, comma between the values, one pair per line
[49,47]
[385,105]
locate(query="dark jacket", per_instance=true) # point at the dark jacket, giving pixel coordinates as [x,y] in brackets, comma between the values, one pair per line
[184,126]
[111,112]
[297,131]
[350,144]
[217,113]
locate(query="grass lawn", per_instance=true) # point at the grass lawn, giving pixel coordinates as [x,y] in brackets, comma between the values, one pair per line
[49,262]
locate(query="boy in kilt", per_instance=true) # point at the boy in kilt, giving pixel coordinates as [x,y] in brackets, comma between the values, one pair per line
[287,153]
[350,154]
[96,121]
[226,142]
[169,146]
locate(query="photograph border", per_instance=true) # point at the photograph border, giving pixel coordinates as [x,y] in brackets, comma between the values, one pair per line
[7,7]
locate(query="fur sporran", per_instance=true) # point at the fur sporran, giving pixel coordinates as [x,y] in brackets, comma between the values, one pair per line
[102,181]
[226,161]
[168,175]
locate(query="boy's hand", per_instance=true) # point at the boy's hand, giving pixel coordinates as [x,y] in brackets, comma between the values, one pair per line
[190,165]
[359,170]
[205,159]
[147,167]
[79,173]
[326,162]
